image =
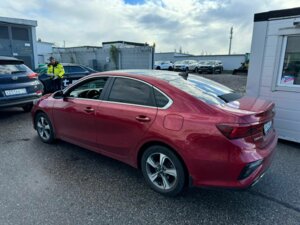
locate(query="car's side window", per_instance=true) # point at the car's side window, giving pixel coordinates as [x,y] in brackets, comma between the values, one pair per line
[160,99]
[76,69]
[67,69]
[131,91]
[91,89]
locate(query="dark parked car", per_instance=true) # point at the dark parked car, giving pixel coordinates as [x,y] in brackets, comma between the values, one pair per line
[211,66]
[178,131]
[19,85]
[73,72]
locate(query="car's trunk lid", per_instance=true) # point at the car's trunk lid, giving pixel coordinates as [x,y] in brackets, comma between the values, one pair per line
[251,110]
[255,113]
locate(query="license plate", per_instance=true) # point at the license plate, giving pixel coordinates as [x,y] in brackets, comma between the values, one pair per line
[267,127]
[15,92]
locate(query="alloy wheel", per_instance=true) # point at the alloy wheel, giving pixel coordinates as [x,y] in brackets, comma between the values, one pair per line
[43,128]
[161,171]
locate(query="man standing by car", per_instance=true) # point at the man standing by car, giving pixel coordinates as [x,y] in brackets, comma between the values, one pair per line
[57,71]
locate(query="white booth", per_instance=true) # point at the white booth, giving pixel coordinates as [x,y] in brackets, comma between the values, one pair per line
[274,70]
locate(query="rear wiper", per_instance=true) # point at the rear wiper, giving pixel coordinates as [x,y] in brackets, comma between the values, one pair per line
[18,71]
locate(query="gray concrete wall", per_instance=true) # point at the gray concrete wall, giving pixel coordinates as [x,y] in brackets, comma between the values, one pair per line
[100,59]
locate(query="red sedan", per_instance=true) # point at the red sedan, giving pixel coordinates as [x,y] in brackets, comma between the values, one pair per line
[179,130]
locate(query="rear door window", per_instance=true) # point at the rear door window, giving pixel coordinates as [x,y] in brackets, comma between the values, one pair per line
[125,90]
[160,99]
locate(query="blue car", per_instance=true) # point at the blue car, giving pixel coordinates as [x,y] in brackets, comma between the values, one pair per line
[19,85]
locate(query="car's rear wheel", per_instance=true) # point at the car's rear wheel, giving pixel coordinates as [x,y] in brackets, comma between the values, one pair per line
[27,108]
[44,128]
[163,170]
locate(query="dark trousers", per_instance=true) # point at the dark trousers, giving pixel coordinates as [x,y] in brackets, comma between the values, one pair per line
[57,84]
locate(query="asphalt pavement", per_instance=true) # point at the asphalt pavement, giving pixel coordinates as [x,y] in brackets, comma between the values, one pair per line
[65,184]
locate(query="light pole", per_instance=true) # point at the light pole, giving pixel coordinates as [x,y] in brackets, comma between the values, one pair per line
[230,40]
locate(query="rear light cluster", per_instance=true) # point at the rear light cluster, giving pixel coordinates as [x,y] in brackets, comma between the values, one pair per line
[33,75]
[240,131]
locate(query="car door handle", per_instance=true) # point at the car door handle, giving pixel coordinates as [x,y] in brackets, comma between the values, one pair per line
[89,109]
[142,118]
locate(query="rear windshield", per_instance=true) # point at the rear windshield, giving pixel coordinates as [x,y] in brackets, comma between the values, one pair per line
[13,69]
[206,90]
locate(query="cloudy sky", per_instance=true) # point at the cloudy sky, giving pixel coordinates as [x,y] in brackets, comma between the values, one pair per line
[197,26]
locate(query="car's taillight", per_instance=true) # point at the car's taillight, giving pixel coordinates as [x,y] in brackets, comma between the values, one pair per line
[32,75]
[234,131]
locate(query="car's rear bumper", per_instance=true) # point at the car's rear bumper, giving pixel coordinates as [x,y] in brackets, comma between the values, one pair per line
[232,172]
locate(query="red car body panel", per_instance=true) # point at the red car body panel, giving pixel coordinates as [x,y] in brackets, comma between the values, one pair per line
[188,127]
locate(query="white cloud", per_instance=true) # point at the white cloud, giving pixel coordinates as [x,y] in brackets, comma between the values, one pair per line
[196,25]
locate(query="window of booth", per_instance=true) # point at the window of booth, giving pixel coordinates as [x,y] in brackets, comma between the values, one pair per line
[289,72]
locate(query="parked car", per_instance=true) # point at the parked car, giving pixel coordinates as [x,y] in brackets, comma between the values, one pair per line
[211,66]
[19,85]
[186,65]
[163,65]
[73,72]
[178,132]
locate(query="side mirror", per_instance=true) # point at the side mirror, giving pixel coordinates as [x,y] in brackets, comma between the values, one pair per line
[58,94]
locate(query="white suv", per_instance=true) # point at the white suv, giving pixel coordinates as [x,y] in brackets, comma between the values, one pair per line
[186,65]
[163,65]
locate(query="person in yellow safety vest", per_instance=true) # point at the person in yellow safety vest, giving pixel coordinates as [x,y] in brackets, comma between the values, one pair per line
[56,71]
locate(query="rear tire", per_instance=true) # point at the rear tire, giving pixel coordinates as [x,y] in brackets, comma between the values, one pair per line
[27,108]
[44,128]
[163,171]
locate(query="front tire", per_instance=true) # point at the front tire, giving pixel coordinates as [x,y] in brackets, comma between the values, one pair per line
[163,170]
[44,128]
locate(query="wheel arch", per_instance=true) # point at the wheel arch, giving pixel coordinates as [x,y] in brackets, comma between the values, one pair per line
[41,111]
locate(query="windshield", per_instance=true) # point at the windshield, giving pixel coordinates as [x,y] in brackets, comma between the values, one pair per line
[210,63]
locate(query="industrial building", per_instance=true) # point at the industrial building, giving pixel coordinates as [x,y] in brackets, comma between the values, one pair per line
[18,39]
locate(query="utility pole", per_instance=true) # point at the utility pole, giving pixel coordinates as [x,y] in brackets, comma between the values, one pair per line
[230,40]
[64,43]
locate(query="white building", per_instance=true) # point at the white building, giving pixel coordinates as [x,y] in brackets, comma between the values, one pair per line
[274,70]
[44,51]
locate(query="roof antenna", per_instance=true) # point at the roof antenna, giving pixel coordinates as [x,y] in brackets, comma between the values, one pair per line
[184,75]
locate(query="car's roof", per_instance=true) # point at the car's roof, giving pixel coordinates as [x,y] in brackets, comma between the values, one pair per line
[6,58]
[157,74]
[70,64]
